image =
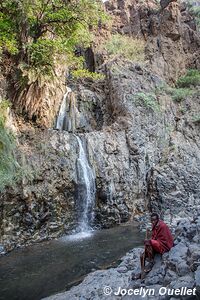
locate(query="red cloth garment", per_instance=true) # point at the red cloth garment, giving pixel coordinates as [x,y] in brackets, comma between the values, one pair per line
[161,239]
[157,247]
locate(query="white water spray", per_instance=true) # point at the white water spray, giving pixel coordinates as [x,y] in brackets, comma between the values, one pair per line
[87,190]
[60,123]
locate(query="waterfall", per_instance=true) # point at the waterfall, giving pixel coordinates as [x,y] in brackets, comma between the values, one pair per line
[60,124]
[111,191]
[68,114]
[86,190]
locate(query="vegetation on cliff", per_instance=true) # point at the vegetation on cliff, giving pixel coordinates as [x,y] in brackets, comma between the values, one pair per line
[8,165]
[39,30]
[195,11]
[192,78]
[127,47]
[38,36]
[13,165]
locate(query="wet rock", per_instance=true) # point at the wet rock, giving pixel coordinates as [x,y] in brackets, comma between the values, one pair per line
[2,249]
[194,256]
[155,276]
[169,277]
[182,268]
[184,281]
[122,269]
[176,256]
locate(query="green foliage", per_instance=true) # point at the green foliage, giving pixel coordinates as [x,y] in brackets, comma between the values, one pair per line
[82,73]
[10,170]
[195,11]
[8,163]
[196,119]
[128,47]
[40,30]
[191,78]
[40,55]
[149,101]
[7,34]
[44,70]
[3,112]
[179,94]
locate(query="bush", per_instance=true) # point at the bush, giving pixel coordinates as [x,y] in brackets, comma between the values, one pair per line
[195,11]
[191,78]
[83,73]
[3,112]
[179,94]
[10,170]
[128,47]
[196,119]
[7,145]
[149,100]
[8,165]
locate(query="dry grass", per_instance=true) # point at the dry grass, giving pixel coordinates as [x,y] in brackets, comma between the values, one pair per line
[127,47]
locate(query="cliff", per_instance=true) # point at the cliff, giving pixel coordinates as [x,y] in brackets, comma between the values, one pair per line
[141,135]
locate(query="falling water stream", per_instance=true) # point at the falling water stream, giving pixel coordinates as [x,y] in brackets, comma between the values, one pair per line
[61,119]
[86,190]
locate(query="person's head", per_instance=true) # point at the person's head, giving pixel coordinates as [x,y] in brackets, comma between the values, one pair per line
[154,218]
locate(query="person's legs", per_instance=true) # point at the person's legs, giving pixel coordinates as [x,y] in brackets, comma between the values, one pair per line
[157,247]
[149,255]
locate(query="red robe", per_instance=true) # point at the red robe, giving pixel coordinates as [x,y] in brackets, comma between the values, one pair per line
[161,239]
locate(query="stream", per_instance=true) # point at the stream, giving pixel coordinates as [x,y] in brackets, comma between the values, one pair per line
[44,269]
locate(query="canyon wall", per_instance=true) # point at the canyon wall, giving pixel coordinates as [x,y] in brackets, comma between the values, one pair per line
[143,145]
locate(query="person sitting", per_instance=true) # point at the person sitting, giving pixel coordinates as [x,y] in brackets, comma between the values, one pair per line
[161,241]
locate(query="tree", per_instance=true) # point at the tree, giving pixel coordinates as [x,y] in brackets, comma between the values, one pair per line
[37,30]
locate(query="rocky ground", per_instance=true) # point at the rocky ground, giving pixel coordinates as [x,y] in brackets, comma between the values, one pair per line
[176,269]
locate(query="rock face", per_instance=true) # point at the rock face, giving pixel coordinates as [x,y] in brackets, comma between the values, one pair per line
[176,269]
[42,206]
[153,142]
[145,156]
[143,146]
[172,43]
[39,102]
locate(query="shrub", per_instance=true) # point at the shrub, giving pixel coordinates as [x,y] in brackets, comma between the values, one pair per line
[7,145]
[179,94]
[8,164]
[10,170]
[149,100]
[128,47]
[83,73]
[195,11]
[3,112]
[196,119]
[191,78]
